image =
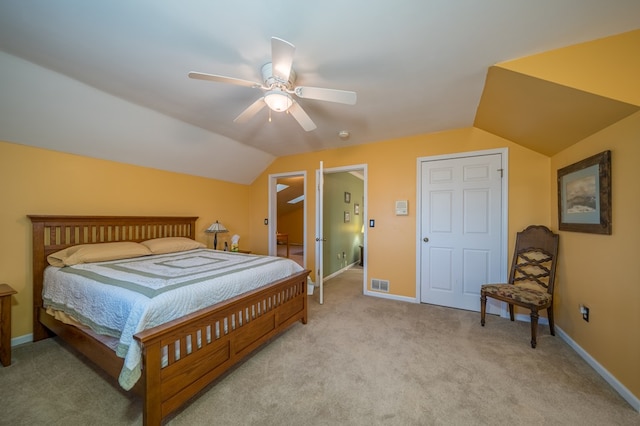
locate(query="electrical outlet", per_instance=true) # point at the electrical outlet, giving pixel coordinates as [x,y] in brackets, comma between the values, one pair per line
[584,310]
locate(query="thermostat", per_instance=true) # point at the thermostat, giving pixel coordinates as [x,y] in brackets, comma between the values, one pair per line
[402,208]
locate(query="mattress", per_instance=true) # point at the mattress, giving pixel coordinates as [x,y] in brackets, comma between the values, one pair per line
[123,297]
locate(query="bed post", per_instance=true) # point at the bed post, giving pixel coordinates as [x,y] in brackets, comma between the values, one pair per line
[305,299]
[39,331]
[152,411]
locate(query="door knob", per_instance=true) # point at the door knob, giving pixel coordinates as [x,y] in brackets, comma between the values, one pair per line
[425,239]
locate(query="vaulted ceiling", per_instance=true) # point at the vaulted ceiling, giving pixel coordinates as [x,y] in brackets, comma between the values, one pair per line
[109,79]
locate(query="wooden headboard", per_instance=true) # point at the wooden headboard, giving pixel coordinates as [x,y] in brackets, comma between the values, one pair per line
[53,233]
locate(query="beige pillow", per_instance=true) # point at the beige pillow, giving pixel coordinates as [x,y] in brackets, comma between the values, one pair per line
[87,253]
[172,244]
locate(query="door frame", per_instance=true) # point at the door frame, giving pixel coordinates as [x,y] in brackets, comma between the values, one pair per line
[504,243]
[320,217]
[273,212]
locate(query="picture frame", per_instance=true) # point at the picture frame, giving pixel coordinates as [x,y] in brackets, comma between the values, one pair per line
[347,217]
[347,197]
[356,209]
[584,195]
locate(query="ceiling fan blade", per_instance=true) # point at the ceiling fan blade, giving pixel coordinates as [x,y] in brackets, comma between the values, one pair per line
[330,95]
[223,79]
[252,110]
[281,58]
[301,117]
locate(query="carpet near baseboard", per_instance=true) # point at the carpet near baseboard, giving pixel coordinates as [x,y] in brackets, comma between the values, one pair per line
[359,361]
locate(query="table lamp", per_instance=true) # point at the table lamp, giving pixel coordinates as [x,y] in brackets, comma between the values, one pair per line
[215,229]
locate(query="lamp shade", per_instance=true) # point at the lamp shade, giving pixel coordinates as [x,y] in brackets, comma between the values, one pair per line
[278,100]
[216,228]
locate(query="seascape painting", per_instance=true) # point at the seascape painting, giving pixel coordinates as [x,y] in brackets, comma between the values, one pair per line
[584,195]
[581,195]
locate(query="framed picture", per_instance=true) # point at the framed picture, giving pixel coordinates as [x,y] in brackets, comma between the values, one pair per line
[356,208]
[347,197]
[347,217]
[584,195]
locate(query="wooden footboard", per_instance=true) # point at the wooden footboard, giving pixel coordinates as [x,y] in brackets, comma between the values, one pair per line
[200,347]
[183,356]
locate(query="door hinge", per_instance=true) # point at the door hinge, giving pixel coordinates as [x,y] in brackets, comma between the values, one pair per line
[501,172]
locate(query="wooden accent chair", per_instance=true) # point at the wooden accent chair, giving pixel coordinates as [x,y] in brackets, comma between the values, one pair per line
[531,279]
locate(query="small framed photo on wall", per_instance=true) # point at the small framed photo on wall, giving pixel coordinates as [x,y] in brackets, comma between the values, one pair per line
[356,209]
[347,197]
[347,217]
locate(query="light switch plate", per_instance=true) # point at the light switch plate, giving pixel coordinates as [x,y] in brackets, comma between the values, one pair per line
[402,208]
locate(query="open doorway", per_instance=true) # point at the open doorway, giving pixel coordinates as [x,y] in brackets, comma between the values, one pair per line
[288,216]
[341,216]
[343,223]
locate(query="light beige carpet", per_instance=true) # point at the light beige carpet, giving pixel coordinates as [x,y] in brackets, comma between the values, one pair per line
[359,361]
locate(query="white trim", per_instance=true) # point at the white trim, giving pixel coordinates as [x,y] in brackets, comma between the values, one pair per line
[615,384]
[504,243]
[390,296]
[27,338]
[339,271]
[527,318]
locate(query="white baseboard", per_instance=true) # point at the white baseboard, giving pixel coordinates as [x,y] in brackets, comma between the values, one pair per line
[383,295]
[338,272]
[625,393]
[27,338]
[527,318]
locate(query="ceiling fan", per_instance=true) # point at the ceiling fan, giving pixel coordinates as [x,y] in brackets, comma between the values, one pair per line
[278,80]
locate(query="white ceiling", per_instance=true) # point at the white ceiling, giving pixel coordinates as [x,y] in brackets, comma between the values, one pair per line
[108,79]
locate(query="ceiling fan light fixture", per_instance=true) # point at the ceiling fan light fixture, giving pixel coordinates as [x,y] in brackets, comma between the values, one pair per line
[278,100]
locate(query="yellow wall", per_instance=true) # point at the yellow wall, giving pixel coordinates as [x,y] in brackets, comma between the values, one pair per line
[603,271]
[392,174]
[38,181]
[292,224]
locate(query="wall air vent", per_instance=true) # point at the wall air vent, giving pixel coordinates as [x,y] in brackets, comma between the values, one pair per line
[379,285]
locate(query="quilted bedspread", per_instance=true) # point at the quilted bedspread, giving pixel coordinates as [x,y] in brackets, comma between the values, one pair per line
[123,297]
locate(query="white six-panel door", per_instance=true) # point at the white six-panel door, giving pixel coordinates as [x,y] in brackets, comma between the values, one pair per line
[461,228]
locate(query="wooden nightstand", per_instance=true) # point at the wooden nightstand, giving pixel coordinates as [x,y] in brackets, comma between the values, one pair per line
[5,323]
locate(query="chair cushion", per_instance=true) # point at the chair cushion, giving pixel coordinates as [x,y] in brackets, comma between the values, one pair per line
[519,295]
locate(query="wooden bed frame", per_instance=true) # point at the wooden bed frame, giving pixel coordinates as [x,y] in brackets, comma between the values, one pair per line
[251,318]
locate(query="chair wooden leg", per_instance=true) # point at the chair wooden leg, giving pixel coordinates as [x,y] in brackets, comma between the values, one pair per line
[511,312]
[550,316]
[534,328]
[483,307]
